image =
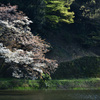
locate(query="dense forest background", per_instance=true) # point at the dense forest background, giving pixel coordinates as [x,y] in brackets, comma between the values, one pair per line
[72,27]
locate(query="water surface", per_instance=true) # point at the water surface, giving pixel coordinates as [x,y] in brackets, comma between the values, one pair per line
[51,95]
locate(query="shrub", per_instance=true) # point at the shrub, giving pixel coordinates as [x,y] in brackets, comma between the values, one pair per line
[79,68]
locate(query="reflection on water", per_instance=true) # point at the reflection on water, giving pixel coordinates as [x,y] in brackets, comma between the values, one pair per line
[50,95]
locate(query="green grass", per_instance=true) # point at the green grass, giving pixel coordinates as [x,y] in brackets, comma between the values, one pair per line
[69,84]
[18,84]
[75,84]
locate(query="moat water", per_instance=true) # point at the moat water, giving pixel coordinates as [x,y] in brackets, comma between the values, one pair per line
[51,95]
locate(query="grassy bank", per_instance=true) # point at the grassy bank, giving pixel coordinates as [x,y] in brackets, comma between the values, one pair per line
[76,84]
[71,84]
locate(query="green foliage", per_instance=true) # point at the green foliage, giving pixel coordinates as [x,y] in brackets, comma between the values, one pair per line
[77,84]
[79,68]
[43,83]
[46,77]
[58,11]
[18,84]
[87,22]
[91,40]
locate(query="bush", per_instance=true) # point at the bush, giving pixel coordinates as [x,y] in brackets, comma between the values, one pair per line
[43,81]
[79,68]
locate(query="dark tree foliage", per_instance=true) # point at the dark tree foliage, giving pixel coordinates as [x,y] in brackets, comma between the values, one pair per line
[79,68]
[87,21]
